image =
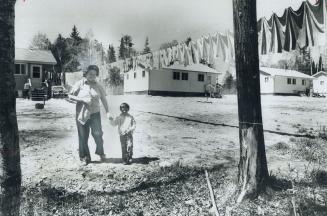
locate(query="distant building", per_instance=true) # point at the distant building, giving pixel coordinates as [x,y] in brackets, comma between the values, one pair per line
[36,65]
[283,82]
[175,80]
[320,83]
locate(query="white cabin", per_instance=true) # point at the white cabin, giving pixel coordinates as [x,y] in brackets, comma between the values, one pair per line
[283,82]
[320,83]
[175,80]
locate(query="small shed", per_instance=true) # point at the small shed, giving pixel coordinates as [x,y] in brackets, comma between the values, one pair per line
[174,80]
[320,83]
[283,82]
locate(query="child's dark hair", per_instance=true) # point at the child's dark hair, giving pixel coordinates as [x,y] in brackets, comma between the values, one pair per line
[124,105]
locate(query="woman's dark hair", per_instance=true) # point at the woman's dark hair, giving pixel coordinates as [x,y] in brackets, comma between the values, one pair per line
[124,105]
[91,67]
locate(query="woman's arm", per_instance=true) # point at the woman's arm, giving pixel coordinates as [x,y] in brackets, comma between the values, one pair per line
[105,103]
[104,100]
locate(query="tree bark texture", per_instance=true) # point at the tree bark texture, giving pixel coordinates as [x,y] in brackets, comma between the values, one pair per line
[253,169]
[10,172]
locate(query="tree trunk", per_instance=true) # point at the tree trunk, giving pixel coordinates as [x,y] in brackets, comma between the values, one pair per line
[253,171]
[10,173]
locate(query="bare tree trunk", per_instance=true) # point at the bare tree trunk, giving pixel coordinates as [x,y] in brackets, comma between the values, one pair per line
[10,172]
[253,171]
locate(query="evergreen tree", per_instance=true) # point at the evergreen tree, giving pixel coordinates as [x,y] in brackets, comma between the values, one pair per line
[146,47]
[126,47]
[75,36]
[320,65]
[122,49]
[111,54]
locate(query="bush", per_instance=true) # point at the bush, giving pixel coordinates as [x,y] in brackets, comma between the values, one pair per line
[323,133]
[319,177]
[313,150]
[281,146]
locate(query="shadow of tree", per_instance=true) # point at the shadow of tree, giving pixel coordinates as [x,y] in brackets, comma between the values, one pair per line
[140,160]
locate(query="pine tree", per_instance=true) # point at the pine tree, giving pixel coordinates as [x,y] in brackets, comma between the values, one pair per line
[122,49]
[320,65]
[111,54]
[75,36]
[146,47]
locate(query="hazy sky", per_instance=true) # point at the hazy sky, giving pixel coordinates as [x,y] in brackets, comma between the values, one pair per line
[160,20]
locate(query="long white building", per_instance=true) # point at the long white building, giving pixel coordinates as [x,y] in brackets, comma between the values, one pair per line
[283,82]
[175,80]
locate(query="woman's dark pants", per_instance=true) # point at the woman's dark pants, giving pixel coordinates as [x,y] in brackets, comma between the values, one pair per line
[94,123]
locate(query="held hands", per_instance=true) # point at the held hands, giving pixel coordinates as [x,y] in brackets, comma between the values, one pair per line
[109,116]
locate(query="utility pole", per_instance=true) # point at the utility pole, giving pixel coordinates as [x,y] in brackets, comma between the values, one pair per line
[253,171]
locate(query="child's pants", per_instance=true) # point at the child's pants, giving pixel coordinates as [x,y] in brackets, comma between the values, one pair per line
[127,146]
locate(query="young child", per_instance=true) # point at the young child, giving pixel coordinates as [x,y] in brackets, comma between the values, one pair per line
[126,126]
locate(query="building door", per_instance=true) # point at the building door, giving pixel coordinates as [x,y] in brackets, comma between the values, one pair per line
[36,76]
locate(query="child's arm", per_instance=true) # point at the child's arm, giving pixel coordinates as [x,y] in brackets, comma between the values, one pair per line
[133,125]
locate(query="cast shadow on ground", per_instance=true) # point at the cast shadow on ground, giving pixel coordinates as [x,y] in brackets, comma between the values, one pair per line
[140,160]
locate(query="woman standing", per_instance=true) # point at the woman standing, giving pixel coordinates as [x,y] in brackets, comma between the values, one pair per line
[88,93]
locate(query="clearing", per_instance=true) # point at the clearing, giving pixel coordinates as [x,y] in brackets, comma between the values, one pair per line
[171,154]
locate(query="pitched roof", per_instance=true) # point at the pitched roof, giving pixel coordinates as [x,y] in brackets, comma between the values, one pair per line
[319,74]
[283,72]
[41,56]
[193,67]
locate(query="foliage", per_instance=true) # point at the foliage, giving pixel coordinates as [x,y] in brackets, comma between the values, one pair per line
[126,49]
[40,41]
[146,46]
[320,65]
[314,150]
[75,36]
[111,56]
[114,79]
[169,44]
[62,53]
[73,53]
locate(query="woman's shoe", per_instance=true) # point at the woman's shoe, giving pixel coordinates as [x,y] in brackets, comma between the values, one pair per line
[85,161]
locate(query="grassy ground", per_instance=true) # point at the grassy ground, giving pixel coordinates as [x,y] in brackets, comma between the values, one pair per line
[171,155]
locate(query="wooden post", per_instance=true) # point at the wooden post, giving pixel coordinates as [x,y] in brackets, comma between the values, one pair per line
[10,172]
[253,171]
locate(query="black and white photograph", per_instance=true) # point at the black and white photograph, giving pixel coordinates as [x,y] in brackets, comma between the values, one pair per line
[163,107]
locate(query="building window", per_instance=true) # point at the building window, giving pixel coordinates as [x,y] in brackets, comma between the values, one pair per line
[266,79]
[143,73]
[322,82]
[36,72]
[289,81]
[176,75]
[201,77]
[304,82]
[184,76]
[20,69]
[294,81]
[135,75]
[209,79]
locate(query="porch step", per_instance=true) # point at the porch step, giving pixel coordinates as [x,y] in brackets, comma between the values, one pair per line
[39,95]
